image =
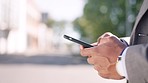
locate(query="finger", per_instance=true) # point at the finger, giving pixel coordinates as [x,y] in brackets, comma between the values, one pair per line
[90,60]
[98,40]
[81,47]
[82,51]
[95,59]
[106,34]
[103,39]
[85,51]
[102,36]
[109,39]
[97,67]
[94,44]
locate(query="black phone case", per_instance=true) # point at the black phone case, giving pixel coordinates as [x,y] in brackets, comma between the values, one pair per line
[84,44]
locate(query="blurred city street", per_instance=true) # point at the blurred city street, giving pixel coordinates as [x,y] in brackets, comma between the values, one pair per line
[38,26]
[48,69]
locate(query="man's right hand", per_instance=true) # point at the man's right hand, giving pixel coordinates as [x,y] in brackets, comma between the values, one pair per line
[104,55]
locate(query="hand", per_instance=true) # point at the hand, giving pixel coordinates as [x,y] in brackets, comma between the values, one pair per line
[104,55]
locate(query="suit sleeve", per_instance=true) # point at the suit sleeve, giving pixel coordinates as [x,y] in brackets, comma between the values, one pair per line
[136,61]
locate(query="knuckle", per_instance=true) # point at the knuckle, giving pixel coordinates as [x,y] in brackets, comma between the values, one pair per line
[83,53]
[106,35]
[90,61]
[97,68]
[111,38]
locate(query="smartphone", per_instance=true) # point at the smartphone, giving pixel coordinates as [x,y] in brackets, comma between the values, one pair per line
[84,44]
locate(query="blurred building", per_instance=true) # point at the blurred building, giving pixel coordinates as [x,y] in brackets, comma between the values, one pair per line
[44,17]
[20,21]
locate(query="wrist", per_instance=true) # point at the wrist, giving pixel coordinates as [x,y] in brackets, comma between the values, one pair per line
[120,66]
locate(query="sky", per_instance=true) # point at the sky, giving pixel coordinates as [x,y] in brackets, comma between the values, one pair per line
[67,10]
[59,10]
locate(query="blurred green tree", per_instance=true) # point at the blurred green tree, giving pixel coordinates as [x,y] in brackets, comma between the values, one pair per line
[101,16]
[50,23]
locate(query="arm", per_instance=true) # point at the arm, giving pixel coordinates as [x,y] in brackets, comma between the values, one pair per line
[136,62]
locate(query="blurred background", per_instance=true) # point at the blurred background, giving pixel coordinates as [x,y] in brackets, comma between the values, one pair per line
[32,47]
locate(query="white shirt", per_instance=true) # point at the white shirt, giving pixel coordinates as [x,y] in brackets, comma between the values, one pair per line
[121,66]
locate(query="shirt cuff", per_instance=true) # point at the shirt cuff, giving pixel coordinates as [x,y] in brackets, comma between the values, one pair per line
[121,66]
